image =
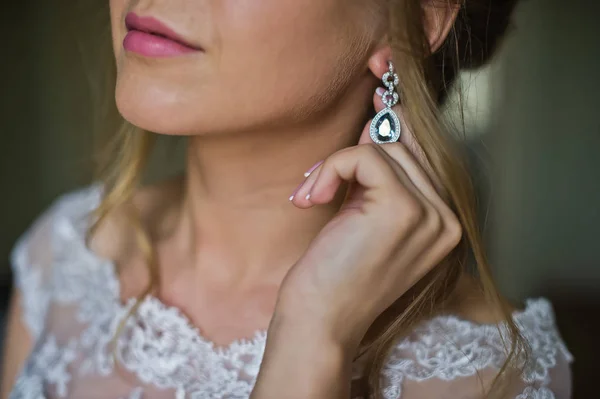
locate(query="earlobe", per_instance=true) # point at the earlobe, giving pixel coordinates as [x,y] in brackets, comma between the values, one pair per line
[439,20]
[379,61]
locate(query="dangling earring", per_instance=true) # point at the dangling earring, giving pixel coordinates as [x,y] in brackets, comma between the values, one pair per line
[386,127]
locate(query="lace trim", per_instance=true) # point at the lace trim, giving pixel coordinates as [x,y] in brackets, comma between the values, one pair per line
[157,341]
[448,348]
[50,365]
[532,393]
[137,393]
[28,386]
[28,278]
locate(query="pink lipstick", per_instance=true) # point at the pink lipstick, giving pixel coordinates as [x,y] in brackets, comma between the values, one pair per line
[149,37]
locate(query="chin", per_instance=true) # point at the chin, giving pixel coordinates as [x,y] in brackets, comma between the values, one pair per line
[160,111]
[158,119]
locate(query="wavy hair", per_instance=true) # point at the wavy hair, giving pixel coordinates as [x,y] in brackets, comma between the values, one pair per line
[425,81]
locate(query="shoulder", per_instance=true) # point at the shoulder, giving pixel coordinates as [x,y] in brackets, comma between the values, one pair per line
[59,230]
[449,352]
[65,219]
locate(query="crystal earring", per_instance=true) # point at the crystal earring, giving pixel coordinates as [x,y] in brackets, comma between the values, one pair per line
[386,127]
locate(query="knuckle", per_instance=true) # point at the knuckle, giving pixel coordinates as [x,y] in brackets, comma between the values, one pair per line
[346,151]
[453,231]
[434,223]
[334,159]
[338,156]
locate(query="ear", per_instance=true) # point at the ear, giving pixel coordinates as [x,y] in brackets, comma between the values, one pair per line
[439,18]
[378,62]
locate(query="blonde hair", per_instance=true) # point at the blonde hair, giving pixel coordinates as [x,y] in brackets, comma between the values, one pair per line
[424,84]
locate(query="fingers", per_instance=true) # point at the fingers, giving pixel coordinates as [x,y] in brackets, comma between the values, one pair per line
[429,217]
[302,195]
[363,164]
[413,169]
[394,186]
[403,204]
[449,237]
[396,182]
[439,222]
[439,230]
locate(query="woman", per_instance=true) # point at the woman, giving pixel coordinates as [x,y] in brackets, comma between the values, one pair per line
[361,283]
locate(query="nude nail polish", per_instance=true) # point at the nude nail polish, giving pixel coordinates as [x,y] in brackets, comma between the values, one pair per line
[312,169]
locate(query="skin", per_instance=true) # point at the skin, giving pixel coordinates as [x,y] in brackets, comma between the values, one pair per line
[259,110]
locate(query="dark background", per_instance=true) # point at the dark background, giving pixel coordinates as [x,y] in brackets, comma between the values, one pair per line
[532,122]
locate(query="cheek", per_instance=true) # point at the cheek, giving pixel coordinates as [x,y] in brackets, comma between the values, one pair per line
[294,52]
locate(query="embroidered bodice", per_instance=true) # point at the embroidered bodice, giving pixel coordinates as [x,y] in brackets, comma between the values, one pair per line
[71,306]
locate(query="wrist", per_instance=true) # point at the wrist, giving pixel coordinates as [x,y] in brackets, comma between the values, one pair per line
[307,326]
[303,362]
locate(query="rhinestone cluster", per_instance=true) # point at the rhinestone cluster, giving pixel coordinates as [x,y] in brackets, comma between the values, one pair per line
[386,127]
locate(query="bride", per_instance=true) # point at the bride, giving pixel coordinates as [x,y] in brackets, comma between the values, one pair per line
[322,242]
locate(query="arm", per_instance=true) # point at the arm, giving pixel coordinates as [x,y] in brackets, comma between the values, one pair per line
[301,362]
[31,259]
[391,230]
[17,345]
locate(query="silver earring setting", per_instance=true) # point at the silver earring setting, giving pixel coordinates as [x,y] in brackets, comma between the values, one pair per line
[386,127]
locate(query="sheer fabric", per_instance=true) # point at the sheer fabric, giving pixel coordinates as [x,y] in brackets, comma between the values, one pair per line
[72,309]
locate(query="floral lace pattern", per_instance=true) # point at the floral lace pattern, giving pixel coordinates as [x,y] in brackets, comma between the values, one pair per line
[532,393]
[71,305]
[448,348]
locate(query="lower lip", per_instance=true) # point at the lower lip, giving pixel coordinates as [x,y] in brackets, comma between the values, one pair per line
[150,45]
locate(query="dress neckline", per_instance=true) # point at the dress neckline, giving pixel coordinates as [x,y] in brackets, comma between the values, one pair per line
[534,308]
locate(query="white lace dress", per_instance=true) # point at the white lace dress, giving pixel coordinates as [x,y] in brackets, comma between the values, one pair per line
[71,306]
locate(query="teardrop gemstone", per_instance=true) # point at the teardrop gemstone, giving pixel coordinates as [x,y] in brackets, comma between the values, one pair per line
[385,127]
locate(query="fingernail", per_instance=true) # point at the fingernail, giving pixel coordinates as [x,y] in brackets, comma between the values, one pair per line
[307,196]
[315,166]
[380,91]
[296,191]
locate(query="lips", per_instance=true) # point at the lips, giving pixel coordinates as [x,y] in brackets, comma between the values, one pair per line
[151,38]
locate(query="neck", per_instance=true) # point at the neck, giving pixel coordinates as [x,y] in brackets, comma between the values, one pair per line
[235,207]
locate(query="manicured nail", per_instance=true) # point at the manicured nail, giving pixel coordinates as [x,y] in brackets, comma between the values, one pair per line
[307,196]
[380,91]
[296,191]
[315,166]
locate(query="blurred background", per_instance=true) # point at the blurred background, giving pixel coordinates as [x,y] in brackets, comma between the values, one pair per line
[531,121]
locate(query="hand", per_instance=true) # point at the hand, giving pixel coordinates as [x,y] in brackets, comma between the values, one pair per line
[392,229]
